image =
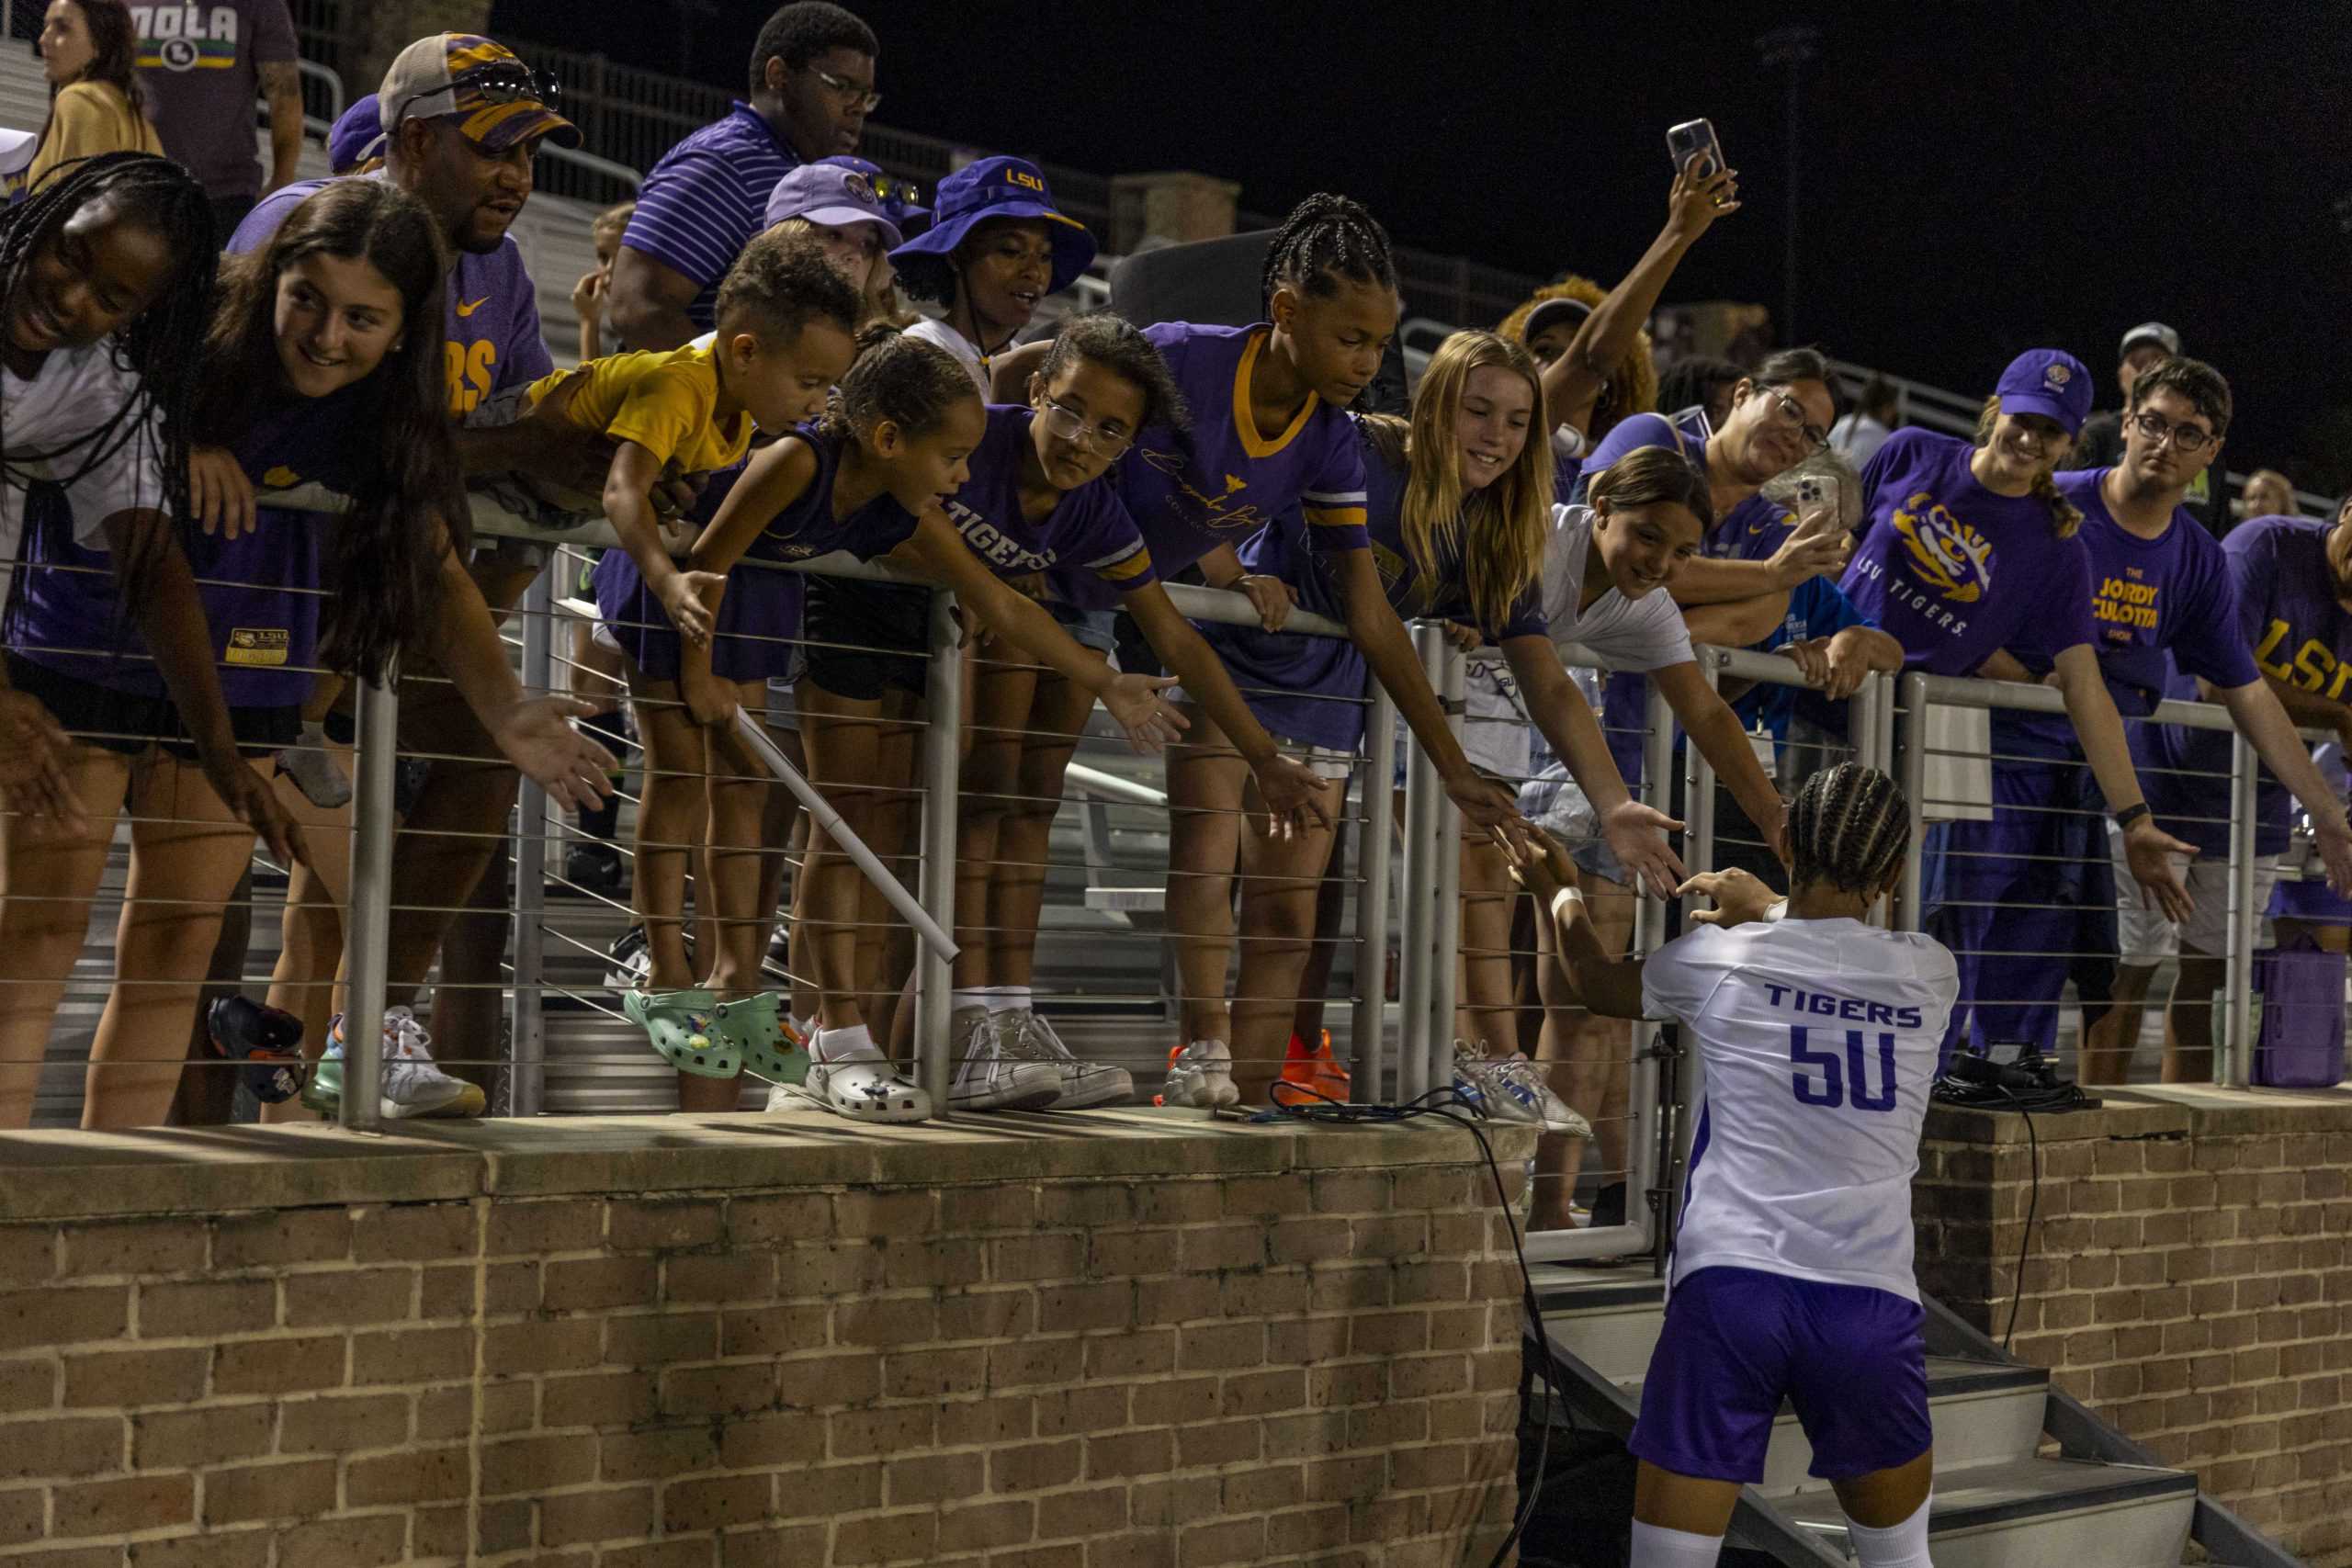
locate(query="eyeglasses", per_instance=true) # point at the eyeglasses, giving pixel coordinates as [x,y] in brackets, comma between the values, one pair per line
[1793,411]
[2189,438]
[1070,425]
[853,94]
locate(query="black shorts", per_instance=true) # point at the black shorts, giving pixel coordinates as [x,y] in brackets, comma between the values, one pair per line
[130,722]
[864,637]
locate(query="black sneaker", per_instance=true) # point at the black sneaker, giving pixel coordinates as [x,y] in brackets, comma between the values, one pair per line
[268,1041]
[596,867]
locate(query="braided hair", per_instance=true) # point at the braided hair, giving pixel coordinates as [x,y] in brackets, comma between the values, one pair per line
[1325,238]
[2065,517]
[1849,826]
[161,346]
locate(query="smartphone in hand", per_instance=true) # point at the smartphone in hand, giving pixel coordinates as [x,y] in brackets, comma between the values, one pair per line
[1692,141]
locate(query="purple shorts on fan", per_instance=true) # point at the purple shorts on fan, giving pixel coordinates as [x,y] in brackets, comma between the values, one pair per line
[1737,1341]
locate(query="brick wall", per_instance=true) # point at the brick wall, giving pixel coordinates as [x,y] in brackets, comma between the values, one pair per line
[648,1343]
[2189,1278]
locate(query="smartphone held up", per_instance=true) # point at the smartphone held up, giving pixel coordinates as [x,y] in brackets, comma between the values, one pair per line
[1693,143]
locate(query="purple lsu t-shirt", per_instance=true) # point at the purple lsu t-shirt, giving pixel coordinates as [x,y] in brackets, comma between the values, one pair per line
[1953,571]
[260,591]
[2299,634]
[808,528]
[1087,546]
[2150,598]
[1222,481]
[493,339]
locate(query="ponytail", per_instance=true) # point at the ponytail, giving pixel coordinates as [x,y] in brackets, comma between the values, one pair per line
[2065,517]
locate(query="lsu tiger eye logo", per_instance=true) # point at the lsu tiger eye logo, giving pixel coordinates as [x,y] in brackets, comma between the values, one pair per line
[858,186]
[1949,556]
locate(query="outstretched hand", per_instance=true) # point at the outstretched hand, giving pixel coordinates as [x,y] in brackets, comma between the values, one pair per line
[1292,794]
[1636,834]
[1139,704]
[2148,851]
[537,737]
[1538,863]
[1740,896]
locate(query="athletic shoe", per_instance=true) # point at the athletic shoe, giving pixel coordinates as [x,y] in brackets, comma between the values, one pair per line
[779,961]
[629,963]
[803,1033]
[1511,1089]
[596,867]
[412,1085]
[988,1077]
[313,772]
[268,1041]
[1022,1035]
[1317,1071]
[1201,1076]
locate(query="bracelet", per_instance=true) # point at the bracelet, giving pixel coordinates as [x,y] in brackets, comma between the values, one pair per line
[2131,814]
[1566,895]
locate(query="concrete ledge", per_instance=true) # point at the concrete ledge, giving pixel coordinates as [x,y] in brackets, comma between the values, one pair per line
[69,1175]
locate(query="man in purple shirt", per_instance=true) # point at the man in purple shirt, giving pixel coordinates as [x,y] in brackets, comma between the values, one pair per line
[813,86]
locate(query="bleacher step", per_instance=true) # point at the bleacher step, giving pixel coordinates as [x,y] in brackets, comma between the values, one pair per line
[2035,1513]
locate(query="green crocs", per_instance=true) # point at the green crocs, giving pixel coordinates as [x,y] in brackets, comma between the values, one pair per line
[683,1026]
[754,1027]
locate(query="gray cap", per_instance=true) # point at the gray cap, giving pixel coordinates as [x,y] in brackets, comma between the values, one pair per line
[2150,331]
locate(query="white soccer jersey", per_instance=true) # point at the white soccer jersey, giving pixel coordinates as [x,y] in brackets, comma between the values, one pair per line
[1818,1041]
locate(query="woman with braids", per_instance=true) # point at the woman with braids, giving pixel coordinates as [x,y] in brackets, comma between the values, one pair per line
[868,479]
[1817,1035]
[105,277]
[88,52]
[327,334]
[1971,561]
[1459,512]
[1038,507]
[1269,444]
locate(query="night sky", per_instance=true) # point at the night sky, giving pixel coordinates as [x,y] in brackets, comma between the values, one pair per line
[1977,178]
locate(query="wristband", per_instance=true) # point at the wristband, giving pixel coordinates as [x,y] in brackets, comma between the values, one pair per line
[1777,911]
[1566,895]
[2131,814]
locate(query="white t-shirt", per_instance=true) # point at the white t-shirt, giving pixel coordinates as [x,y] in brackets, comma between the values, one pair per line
[1639,634]
[939,334]
[1818,1042]
[76,390]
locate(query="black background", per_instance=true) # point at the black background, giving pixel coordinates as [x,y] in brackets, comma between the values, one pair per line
[1977,178]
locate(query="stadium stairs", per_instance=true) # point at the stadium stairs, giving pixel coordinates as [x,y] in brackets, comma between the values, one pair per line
[2026,1476]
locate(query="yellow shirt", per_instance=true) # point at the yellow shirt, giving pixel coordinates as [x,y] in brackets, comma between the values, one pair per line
[86,119]
[665,402]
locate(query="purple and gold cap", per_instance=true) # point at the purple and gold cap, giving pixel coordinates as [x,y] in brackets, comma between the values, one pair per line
[2047,381]
[495,97]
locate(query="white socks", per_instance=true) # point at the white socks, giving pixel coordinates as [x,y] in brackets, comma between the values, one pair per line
[843,1045]
[1658,1547]
[1896,1546]
[996,998]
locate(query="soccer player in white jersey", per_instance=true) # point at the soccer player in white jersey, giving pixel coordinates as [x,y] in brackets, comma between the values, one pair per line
[1817,1036]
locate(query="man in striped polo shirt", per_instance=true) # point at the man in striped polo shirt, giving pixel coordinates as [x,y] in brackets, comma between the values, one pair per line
[813,86]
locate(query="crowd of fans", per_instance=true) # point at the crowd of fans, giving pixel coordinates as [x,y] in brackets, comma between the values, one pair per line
[787,355]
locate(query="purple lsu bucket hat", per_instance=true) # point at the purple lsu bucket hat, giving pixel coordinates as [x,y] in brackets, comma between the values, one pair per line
[1001,188]
[2050,382]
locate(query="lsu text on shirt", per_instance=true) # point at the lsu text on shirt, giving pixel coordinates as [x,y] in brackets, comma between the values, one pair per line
[1087,546]
[1952,571]
[667,403]
[1225,480]
[2288,620]
[493,342]
[1818,1041]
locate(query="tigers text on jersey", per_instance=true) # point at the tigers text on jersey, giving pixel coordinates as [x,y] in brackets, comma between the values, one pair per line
[1818,1041]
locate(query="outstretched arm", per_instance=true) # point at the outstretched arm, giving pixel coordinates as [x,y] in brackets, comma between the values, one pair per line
[1636,833]
[2148,849]
[2257,711]
[1717,732]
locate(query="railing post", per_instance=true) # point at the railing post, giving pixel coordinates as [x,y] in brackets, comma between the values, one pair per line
[2234,1044]
[1698,796]
[1368,1025]
[1417,961]
[1445,849]
[526,1017]
[368,932]
[1911,759]
[1661,1152]
[1865,718]
[941,748]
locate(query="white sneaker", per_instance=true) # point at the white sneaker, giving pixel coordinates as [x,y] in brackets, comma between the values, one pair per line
[1201,1075]
[1513,1090]
[861,1083]
[990,1077]
[1027,1036]
[313,772]
[787,1097]
[412,1085]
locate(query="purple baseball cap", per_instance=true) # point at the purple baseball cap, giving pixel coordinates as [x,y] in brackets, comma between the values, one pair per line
[1002,187]
[2050,382]
[358,136]
[897,197]
[828,193]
